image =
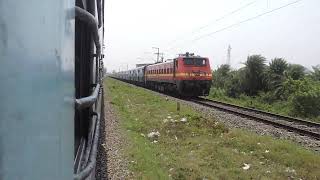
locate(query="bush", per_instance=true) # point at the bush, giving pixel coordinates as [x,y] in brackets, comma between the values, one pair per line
[235,87]
[305,100]
[268,97]
[306,104]
[217,93]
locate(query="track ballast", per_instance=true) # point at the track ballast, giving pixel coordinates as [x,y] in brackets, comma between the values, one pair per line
[303,127]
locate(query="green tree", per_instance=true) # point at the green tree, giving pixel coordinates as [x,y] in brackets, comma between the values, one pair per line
[304,97]
[221,76]
[254,78]
[316,73]
[296,71]
[278,66]
[275,78]
[235,85]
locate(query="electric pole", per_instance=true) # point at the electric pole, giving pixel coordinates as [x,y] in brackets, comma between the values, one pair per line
[229,55]
[157,53]
[161,56]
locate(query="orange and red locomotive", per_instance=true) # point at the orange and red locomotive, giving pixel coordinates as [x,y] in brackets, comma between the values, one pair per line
[188,75]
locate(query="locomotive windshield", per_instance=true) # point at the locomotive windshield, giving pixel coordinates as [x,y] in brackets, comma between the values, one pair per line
[195,61]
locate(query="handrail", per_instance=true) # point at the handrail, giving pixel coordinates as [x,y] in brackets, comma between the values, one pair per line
[92,160]
[88,101]
[87,17]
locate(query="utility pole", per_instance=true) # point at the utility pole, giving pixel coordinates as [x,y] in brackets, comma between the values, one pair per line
[229,55]
[161,56]
[157,53]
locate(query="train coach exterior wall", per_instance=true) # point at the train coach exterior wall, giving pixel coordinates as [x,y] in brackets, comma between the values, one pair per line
[37,89]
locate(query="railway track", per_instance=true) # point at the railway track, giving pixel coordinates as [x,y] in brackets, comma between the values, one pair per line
[303,127]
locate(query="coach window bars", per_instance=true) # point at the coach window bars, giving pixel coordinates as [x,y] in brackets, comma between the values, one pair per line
[88,102]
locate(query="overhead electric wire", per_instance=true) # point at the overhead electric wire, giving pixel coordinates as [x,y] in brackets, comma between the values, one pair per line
[218,19]
[246,20]
[241,22]
[226,15]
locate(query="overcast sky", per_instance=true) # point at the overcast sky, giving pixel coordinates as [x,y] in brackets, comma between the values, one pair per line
[134,27]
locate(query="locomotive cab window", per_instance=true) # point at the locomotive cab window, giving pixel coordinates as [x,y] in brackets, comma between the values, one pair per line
[194,61]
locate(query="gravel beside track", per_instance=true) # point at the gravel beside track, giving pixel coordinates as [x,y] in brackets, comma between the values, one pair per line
[300,126]
[234,121]
[110,162]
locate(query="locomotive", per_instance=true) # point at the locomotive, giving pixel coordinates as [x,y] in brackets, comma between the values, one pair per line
[186,75]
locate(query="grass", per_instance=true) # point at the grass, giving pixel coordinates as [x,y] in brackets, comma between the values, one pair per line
[200,148]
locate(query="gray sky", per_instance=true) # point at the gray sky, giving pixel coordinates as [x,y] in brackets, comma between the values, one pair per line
[134,27]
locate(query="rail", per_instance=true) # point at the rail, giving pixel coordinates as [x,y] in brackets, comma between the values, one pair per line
[219,105]
[267,113]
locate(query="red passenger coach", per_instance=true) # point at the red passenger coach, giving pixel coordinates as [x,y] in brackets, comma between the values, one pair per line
[189,75]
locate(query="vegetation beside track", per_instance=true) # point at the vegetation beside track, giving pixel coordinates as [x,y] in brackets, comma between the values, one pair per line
[278,87]
[199,148]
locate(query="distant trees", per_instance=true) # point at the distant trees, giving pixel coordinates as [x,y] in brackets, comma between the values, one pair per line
[277,81]
[276,77]
[222,75]
[296,71]
[278,66]
[254,74]
[316,73]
